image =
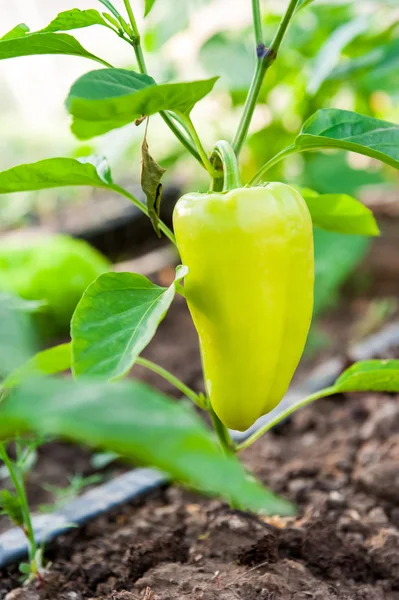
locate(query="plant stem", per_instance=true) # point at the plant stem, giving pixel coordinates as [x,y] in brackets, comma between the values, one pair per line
[257,19]
[273,161]
[136,38]
[138,51]
[183,139]
[111,8]
[182,387]
[229,175]
[17,481]
[193,132]
[255,436]
[222,433]
[265,58]
[164,228]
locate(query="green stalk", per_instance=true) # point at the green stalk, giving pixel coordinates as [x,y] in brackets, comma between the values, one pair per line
[164,228]
[273,161]
[228,175]
[136,38]
[265,58]
[17,481]
[291,409]
[222,433]
[183,139]
[257,20]
[193,132]
[182,387]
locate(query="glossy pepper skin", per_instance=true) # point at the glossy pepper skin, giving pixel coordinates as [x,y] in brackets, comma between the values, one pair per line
[250,292]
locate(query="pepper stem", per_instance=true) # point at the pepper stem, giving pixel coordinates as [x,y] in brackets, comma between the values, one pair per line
[225,162]
[222,432]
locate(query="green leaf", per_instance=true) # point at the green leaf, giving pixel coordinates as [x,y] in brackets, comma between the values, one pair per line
[44,43]
[10,505]
[370,375]
[148,6]
[150,180]
[334,128]
[16,336]
[141,424]
[74,19]
[114,321]
[383,57]
[330,53]
[340,213]
[48,362]
[336,256]
[106,99]
[16,32]
[55,172]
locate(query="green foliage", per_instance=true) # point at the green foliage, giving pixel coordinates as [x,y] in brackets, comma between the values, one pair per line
[43,43]
[16,32]
[47,362]
[148,6]
[334,128]
[142,425]
[10,505]
[106,99]
[340,213]
[370,375]
[336,256]
[330,53]
[55,172]
[75,19]
[53,269]
[16,338]
[114,321]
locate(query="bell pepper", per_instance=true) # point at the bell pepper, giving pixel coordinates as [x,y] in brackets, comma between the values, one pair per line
[250,292]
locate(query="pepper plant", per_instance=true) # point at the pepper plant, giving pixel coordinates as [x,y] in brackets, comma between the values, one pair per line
[246,272]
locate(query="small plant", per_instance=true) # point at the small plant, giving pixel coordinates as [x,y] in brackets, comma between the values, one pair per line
[247,254]
[15,505]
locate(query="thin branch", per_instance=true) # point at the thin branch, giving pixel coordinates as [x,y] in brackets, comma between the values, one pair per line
[265,58]
[294,407]
[182,387]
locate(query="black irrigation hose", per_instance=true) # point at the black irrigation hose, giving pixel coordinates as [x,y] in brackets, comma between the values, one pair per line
[139,482]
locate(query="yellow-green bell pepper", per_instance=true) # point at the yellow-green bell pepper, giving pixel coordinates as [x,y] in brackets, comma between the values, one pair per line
[250,292]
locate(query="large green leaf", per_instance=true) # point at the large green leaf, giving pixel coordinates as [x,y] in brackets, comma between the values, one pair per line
[340,213]
[330,53]
[334,128]
[75,19]
[370,375]
[142,424]
[116,318]
[110,98]
[44,43]
[48,362]
[55,172]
